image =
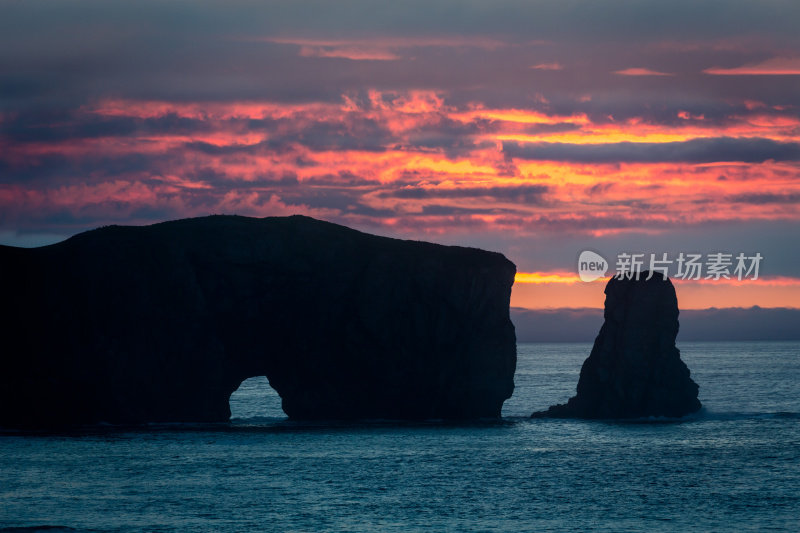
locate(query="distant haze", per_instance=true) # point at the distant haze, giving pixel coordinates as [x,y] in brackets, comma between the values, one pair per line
[727,324]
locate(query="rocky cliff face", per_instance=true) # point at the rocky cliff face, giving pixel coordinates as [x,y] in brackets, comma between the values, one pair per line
[634,369]
[162,323]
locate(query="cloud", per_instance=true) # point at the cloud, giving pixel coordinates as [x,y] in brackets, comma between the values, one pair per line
[777,66]
[51,126]
[537,129]
[378,48]
[530,194]
[556,325]
[599,189]
[353,53]
[548,66]
[391,42]
[704,150]
[639,71]
[765,198]
[420,119]
[724,324]
[450,210]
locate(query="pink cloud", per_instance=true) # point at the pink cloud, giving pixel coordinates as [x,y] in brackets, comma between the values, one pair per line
[548,66]
[639,71]
[406,160]
[354,53]
[777,66]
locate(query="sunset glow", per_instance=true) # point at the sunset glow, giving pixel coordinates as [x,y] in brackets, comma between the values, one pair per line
[538,290]
[506,136]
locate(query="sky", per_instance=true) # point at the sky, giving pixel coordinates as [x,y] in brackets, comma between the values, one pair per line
[535,129]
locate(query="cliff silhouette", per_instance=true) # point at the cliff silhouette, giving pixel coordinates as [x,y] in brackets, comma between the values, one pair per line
[162,323]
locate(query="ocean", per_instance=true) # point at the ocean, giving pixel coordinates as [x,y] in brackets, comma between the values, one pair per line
[735,466]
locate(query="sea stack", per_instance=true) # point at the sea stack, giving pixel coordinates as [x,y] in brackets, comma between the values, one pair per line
[635,369]
[162,323]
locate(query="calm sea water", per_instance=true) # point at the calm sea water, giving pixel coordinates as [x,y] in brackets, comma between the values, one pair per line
[733,467]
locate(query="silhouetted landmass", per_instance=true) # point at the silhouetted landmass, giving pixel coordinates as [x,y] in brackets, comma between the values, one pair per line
[162,323]
[634,369]
[714,324]
[556,325]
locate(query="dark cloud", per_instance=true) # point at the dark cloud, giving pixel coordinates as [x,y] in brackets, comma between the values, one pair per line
[528,194]
[765,198]
[350,133]
[234,149]
[724,324]
[600,188]
[342,179]
[218,51]
[450,210]
[455,138]
[537,129]
[748,150]
[613,19]
[556,325]
[61,125]
[66,169]
[346,201]
[222,182]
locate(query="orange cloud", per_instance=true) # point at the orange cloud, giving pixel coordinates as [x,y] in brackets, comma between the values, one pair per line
[362,158]
[521,116]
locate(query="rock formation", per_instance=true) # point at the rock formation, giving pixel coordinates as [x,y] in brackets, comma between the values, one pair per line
[634,369]
[162,323]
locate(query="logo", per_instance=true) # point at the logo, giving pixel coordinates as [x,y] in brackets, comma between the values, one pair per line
[688,266]
[591,266]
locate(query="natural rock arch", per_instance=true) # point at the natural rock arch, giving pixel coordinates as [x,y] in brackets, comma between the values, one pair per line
[163,322]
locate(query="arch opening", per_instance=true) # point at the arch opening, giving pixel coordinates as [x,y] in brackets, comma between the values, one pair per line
[255,399]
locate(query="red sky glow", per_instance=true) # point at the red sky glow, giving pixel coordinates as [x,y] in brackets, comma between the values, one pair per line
[638,131]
